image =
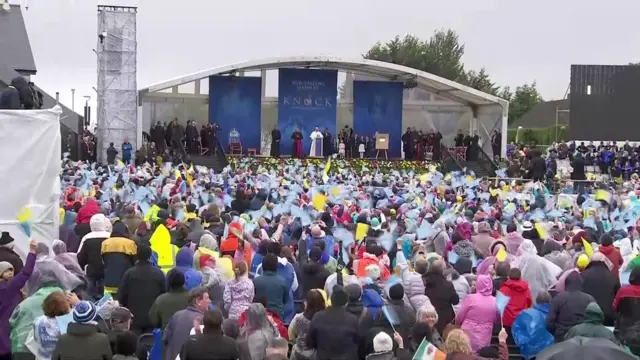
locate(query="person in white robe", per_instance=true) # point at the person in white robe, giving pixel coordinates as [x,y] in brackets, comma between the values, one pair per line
[316,143]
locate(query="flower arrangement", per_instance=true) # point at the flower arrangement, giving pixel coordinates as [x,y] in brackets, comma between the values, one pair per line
[358,166]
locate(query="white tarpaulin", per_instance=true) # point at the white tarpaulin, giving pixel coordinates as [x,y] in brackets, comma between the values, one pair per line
[29,173]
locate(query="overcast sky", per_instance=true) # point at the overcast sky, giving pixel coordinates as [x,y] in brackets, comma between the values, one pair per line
[516,41]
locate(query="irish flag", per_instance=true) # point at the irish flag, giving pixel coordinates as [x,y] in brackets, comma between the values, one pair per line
[427,351]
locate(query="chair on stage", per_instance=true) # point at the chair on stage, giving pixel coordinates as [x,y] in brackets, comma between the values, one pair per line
[429,153]
[235,146]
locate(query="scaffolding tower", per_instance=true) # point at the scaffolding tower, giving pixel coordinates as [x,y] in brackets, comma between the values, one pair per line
[117,71]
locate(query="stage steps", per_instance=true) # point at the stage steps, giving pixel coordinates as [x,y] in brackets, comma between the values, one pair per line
[216,162]
[479,168]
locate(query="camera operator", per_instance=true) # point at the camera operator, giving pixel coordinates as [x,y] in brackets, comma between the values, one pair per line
[20,95]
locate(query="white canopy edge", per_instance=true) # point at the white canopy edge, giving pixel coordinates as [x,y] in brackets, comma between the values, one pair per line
[435,84]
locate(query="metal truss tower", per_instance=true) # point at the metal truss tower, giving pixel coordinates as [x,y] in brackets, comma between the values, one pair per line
[117,86]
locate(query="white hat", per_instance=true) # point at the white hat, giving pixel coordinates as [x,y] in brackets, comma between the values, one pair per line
[4,266]
[373,271]
[382,342]
[527,226]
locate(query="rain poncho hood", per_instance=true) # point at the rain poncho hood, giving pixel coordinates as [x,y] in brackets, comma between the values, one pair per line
[484,285]
[87,211]
[48,271]
[540,273]
[593,314]
[67,259]
[184,263]
[530,332]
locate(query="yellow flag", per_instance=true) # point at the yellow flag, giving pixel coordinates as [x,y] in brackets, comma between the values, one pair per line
[319,201]
[501,255]
[603,195]
[189,179]
[361,231]
[587,247]
[25,215]
[327,167]
[541,231]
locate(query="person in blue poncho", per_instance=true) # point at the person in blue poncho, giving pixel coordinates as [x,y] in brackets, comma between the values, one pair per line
[127,149]
[184,263]
[529,331]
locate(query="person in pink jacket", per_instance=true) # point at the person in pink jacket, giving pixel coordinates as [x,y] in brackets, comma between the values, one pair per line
[478,313]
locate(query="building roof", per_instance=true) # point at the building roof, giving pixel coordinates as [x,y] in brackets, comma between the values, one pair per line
[68,119]
[6,73]
[393,72]
[15,49]
[543,115]
[19,61]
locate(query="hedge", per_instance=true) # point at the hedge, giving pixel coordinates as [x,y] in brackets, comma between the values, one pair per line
[539,136]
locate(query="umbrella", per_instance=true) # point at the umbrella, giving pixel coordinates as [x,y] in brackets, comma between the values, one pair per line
[585,349]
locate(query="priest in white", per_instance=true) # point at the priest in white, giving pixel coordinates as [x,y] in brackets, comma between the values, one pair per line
[316,143]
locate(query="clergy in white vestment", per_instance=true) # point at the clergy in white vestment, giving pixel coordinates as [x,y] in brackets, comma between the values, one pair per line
[316,143]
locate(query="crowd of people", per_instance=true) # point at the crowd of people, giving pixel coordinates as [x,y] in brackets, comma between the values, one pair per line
[617,162]
[304,262]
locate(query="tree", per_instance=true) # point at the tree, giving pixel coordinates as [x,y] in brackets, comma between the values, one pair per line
[480,81]
[440,55]
[523,100]
[506,93]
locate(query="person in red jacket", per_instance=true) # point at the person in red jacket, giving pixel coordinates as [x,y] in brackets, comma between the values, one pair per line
[613,254]
[518,290]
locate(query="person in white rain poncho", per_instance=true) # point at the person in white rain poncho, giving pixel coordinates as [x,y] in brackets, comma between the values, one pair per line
[45,267]
[538,272]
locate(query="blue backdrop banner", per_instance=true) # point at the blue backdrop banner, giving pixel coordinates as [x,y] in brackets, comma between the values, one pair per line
[235,103]
[306,98]
[377,106]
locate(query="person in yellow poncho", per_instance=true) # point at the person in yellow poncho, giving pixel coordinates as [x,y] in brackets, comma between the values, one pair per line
[209,246]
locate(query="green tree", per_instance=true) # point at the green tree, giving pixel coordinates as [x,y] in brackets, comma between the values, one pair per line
[480,81]
[440,55]
[506,93]
[524,99]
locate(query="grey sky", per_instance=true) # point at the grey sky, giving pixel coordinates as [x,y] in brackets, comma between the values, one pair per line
[517,41]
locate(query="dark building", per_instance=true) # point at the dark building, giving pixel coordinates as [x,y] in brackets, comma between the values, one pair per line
[544,115]
[16,58]
[604,102]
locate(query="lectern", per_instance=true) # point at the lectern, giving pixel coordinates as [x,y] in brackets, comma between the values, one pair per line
[382,145]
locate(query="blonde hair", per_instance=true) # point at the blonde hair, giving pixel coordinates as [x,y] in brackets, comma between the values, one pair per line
[457,341]
[240,269]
